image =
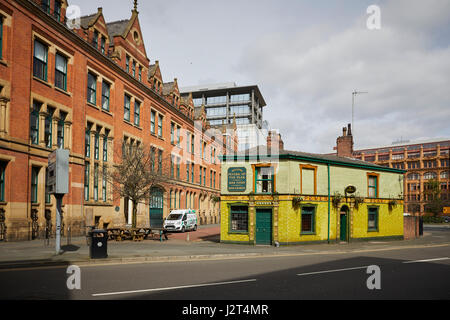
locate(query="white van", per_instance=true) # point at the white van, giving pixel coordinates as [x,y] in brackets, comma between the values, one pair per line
[181,220]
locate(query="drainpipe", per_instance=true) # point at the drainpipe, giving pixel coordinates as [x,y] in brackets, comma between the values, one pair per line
[329,204]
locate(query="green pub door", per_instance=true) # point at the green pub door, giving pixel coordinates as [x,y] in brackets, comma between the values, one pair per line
[263,226]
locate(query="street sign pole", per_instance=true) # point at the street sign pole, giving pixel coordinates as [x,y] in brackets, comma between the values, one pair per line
[59,198]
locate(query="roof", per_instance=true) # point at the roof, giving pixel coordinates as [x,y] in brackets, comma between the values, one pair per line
[261,152]
[221,89]
[86,20]
[117,28]
[406,143]
[168,87]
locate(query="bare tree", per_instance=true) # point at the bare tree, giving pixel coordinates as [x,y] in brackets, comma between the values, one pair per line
[142,168]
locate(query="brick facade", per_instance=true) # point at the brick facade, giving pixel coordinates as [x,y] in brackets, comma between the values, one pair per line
[61,88]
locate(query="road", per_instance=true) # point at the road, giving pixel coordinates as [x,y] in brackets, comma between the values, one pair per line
[407,273]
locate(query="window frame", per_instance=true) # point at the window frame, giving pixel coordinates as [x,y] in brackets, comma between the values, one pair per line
[137,112]
[34,113]
[160,125]
[125,108]
[232,210]
[86,180]
[92,92]
[377,218]
[34,184]
[106,95]
[44,64]
[377,183]
[153,121]
[313,219]
[256,168]
[63,73]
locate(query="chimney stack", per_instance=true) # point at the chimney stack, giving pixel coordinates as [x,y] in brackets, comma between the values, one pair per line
[344,144]
[274,140]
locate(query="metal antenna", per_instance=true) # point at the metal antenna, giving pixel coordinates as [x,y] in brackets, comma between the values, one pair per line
[354,93]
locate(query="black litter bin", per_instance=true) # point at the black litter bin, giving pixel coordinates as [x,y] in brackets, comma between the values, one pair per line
[98,248]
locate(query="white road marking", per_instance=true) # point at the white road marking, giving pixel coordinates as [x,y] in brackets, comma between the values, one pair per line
[172,288]
[427,260]
[328,271]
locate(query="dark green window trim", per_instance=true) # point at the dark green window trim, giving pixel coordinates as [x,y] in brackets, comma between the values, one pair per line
[45,5]
[34,124]
[87,143]
[127,104]
[127,66]
[308,212]
[178,168]
[187,171]
[60,131]
[172,173]
[373,211]
[137,113]
[92,89]
[241,211]
[262,180]
[106,90]
[160,156]
[95,39]
[47,194]
[102,44]
[40,62]
[34,184]
[60,72]
[192,172]
[2,181]
[160,126]
[48,129]
[96,181]
[172,133]
[86,181]
[104,173]
[57,10]
[96,146]
[152,121]
[105,147]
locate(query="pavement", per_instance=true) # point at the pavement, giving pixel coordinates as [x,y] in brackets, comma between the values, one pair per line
[195,245]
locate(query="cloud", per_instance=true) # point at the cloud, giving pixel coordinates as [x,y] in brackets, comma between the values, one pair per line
[308,76]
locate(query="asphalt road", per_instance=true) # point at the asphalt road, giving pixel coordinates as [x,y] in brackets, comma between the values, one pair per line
[409,273]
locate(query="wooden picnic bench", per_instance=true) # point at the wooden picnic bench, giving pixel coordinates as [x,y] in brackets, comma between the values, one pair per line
[135,234]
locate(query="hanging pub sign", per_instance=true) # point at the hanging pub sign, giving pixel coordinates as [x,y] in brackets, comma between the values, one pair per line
[350,189]
[237,179]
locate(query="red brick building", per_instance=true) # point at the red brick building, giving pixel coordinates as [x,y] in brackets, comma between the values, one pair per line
[423,161]
[87,89]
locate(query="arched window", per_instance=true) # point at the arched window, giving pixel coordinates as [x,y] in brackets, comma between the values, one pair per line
[413,176]
[430,175]
[444,175]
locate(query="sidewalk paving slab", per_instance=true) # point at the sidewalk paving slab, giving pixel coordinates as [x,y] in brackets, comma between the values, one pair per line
[204,244]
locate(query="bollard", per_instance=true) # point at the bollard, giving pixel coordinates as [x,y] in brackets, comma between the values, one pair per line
[187,236]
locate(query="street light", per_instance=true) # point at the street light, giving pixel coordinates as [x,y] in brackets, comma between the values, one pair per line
[354,93]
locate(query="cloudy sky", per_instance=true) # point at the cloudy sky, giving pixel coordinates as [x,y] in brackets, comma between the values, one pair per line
[307,57]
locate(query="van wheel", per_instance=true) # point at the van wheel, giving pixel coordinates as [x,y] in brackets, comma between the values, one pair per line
[195,228]
[183,230]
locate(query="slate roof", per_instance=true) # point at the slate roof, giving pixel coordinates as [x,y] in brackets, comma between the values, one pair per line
[262,151]
[168,87]
[117,28]
[85,20]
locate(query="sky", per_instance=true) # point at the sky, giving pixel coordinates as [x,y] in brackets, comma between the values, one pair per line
[307,57]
